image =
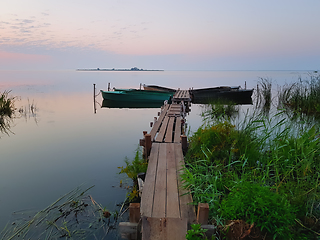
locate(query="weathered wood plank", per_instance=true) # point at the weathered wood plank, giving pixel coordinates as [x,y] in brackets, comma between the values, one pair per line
[149,185]
[169,133]
[173,209]
[187,210]
[162,130]
[164,228]
[160,193]
[157,124]
[177,130]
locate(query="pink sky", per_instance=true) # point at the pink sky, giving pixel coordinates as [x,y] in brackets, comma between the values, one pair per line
[174,35]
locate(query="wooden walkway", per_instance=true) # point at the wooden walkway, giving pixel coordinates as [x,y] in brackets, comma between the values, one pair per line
[165,209]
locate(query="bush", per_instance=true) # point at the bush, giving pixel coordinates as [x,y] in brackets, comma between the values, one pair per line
[260,205]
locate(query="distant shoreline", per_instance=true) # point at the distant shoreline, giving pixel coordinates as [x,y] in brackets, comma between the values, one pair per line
[117,70]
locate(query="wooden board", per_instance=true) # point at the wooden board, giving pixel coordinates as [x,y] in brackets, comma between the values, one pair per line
[148,188]
[157,124]
[187,210]
[162,130]
[160,192]
[164,229]
[169,132]
[177,131]
[173,209]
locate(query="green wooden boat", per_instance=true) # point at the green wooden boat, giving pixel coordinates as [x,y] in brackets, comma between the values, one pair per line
[136,95]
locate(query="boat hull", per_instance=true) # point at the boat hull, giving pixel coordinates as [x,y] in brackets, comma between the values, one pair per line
[222,95]
[136,95]
[130,104]
[158,88]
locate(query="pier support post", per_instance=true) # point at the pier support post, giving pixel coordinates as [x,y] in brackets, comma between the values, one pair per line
[148,144]
[184,143]
[134,212]
[203,213]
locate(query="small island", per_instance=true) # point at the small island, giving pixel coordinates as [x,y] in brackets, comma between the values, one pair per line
[115,69]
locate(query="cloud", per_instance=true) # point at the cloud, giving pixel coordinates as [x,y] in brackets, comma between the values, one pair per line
[19,57]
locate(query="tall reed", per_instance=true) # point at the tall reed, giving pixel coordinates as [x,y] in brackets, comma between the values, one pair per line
[6,111]
[302,96]
[269,152]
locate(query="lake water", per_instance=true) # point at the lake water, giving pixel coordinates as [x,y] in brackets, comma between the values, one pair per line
[63,144]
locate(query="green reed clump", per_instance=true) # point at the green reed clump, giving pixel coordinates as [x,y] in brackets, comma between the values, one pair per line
[219,110]
[303,96]
[263,95]
[269,152]
[6,111]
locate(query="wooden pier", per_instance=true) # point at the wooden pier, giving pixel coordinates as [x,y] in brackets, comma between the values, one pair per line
[165,206]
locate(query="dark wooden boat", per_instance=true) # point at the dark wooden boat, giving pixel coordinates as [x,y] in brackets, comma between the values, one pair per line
[130,104]
[158,88]
[222,94]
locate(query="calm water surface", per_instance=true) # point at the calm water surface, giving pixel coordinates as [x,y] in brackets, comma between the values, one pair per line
[63,144]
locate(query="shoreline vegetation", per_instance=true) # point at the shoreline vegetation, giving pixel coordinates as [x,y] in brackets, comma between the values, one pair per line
[260,174]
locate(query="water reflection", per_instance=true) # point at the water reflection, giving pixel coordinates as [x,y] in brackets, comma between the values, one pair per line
[125,104]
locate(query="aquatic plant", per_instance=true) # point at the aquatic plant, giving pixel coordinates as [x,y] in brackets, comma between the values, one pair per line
[132,169]
[263,95]
[6,111]
[217,110]
[302,96]
[137,165]
[73,216]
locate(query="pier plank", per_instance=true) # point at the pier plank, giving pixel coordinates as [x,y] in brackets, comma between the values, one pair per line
[149,185]
[160,193]
[177,131]
[169,133]
[157,124]
[162,130]
[173,209]
[187,210]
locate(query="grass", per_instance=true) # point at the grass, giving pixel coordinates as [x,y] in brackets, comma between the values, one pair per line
[265,171]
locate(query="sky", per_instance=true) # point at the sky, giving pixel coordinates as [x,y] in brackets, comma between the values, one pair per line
[167,34]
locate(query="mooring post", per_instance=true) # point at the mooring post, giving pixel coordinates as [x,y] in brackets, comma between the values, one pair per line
[203,213]
[184,143]
[134,212]
[148,144]
[94,98]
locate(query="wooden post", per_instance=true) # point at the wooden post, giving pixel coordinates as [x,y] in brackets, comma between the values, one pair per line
[134,212]
[148,144]
[184,143]
[94,98]
[203,213]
